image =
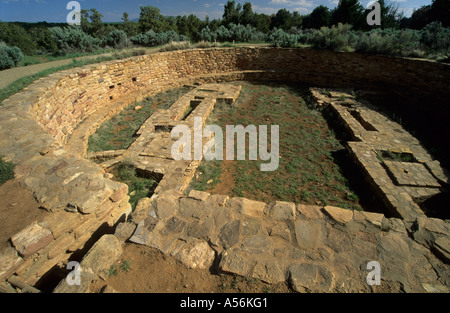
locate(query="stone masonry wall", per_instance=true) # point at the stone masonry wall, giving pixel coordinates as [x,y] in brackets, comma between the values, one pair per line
[78,93]
[37,123]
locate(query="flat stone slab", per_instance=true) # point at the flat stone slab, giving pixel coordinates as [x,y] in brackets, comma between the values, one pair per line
[102,255]
[31,239]
[9,260]
[411,174]
[339,215]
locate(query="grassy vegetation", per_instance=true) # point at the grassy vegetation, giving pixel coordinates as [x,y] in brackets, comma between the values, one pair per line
[6,171]
[118,132]
[138,186]
[38,59]
[307,172]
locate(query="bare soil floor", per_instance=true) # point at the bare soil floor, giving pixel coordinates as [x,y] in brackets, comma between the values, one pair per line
[152,272]
[18,209]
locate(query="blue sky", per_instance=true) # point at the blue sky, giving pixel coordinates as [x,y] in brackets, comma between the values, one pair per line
[112,10]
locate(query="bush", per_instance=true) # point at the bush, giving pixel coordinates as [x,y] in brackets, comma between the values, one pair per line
[279,38]
[390,42]
[435,38]
[44,40]
[336,38]
[117,39]
[234,32]
[15,35]
[152,39]
[9,56]
[205,45]
[73,39]
[176,45]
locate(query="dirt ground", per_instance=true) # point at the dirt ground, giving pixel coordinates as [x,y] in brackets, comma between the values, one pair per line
[18,209]
[152,272]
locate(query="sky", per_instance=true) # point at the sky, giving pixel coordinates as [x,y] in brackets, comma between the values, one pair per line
[112,10]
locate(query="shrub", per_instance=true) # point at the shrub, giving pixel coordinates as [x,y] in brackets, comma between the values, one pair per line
[176,45]
[234,32]
[44,40]
[207,35]
[390,42]
[205,45]
[336,38]
[73,39]
[152,39]
[117,39]
[279,38]
[15,35]
[435,38]
[9,56]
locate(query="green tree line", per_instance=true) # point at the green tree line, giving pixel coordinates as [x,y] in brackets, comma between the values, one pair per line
[238,23]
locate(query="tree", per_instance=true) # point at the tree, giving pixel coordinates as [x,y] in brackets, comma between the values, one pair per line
[150,18]
[91,23]
[231,13]
[320,16]
[262,22]
[43,39]
[15,35]
[440,11]
[283,19]
[419,18]
[297,19]
[349,12]
[390,16]
[194,25]
[247,14]
[130,28]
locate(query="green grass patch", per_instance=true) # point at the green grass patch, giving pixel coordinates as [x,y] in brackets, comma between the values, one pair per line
[119,132]
[138,186]
[307,172]
[6,171]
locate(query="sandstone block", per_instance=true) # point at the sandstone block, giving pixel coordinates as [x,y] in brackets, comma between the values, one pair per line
[309,234]
[124,231]
[199,195]
[281,210]
[9,260]
[236,262]
[31,239]
[342,216]
[102,255]
[269,271]
[247,207]
[119,194]
[196,254]
[310,211]
[310,277]
[166,206]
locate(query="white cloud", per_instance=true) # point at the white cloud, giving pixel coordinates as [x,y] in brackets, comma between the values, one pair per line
[293,3]
[265,10]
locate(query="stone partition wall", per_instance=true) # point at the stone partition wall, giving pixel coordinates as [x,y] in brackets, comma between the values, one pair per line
[44,130]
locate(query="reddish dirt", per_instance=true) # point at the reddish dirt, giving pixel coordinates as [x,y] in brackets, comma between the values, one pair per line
[226,183]
[152,272]
[18,209]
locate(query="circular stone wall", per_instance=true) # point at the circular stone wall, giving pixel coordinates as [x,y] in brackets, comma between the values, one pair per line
[44,128]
